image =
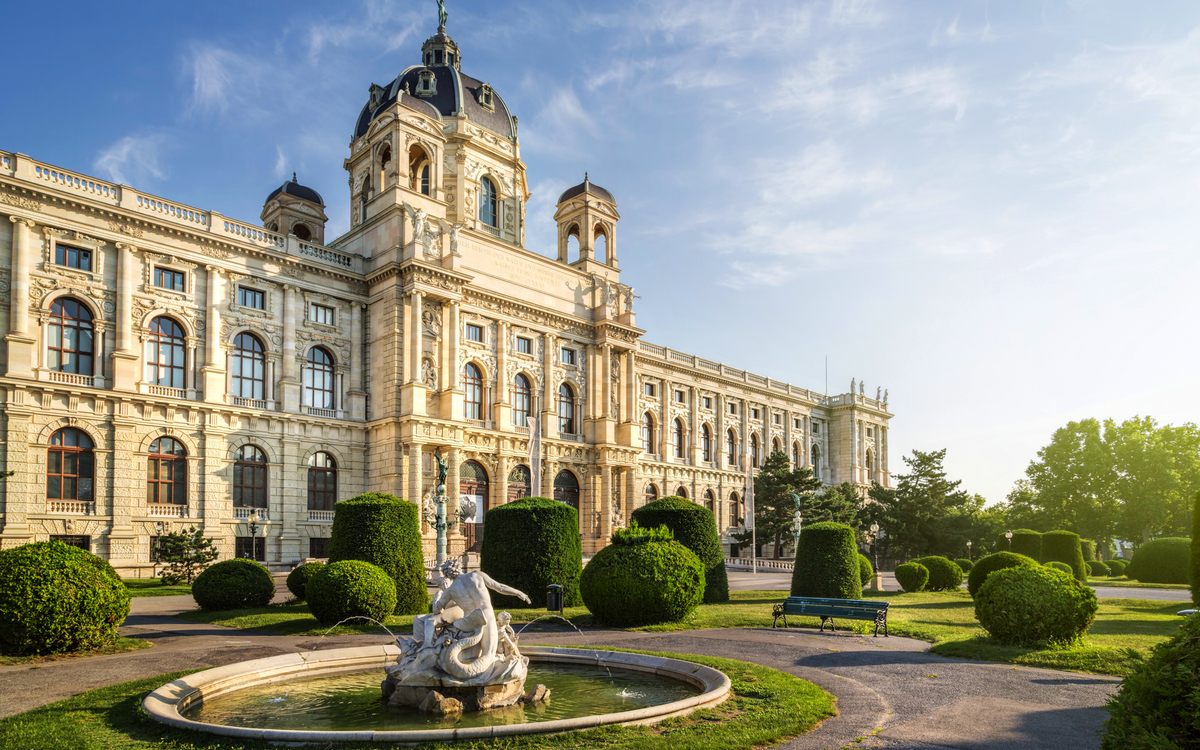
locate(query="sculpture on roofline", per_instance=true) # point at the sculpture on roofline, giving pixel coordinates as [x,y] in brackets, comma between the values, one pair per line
[442,15]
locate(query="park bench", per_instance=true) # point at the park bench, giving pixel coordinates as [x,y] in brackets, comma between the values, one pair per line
[827,609]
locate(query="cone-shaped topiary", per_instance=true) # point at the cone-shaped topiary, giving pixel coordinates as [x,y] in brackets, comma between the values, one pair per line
[639,580]
[1116,567]
[826,563]
[1064,547]
[351,588]
[1097,568]
[55,598]
[965,564]
[529,544]
[297,580]
[384,531]
[1035,605]
[912,576]
[1024,542]
[944,574]
[1163,560]
[239,583]
[695,528]
[866,573]
[1089,550]
[990,564]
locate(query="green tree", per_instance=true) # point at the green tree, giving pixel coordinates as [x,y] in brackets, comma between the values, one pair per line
[185,555]
[925,513]
[1073,479]
[774,504]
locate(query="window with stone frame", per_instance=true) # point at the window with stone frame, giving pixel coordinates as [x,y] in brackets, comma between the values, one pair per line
[249,477]
[524,345]
[322,481]
[252,298]
[249,364]
[166,472]
[568,356]
[70,466]
[322,314]
[475,333]
[522,401]
[472,392]
[166,354]
[678,438]
[167,278]
[68,256]
[318,547]
[648,433]
[489,212]
[706,443]
[71,347]
[251,547]
[651,493]
[319,392]
[566,410]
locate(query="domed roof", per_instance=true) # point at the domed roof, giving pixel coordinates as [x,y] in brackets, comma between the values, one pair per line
[587,187]
[298,190]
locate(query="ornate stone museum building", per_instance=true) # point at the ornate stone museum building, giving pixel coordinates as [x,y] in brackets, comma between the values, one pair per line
[166,366]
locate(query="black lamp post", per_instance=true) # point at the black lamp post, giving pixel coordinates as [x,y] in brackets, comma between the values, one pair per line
[253,519]
[1008,536]
[968,549]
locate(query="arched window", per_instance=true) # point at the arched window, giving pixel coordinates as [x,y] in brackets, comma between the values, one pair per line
[249,477]
[648,433]
[302,232]
[418,170]
[166,354]
[710,501]
[70,466]
[566,489]
[522,400]
[600,244]
[473,482]
[71,346]
[322,481]
[735,509]
[754,451]
[775,445]
[816,461]
[364,193]
[796,462]
[706,443]
[249,367]
[681,491]
[518,483]
[731,448]
[385,161]
[677,437]
[870,462]
[566,410]
[473,388]
[487,202]
[318,380]
[166,472]
[651,493]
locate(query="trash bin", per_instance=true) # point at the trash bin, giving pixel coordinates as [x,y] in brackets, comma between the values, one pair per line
[554,598]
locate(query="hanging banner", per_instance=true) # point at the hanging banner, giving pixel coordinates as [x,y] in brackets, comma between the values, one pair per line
[534,423]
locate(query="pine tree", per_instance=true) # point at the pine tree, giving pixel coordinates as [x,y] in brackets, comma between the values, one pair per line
[775,491]
[185,555]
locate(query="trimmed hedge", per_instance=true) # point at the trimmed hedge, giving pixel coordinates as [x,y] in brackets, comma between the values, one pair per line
[695,528]
[1060,566]
[990,564]
[239,583]
[1116,567]
[297,580]
[965,564]
[529,544]
[1196,550]
[1089,550]
[1035,605]
[826,563]
[1065,547]
[627,585]
[351,588]
[944,574]
[55,598]
[866,573]
[1163,560]
[1024,542]
[1097,568]
[384,531]
[912,576]
[1158,705]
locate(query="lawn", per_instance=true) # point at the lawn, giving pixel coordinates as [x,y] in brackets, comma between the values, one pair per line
[767,707]
[1129,583]
[154,587]
[121,646]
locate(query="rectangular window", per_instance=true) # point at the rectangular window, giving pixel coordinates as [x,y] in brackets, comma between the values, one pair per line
[733,408]
[318,547]
[253,547]
[524,345]
[165,278]
[320,314]
[754,413]
[251,298]
[707,402]
[816,428]
[870,432]
[474,333]
[568,356]
[73,257]
[82,542]
[679,397]
[778,419]
[796,423]
[649,388]
[155,548]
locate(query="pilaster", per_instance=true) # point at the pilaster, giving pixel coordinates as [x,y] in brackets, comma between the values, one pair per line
[21,342]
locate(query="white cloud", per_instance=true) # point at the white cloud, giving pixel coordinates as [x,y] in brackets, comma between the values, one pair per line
[133,159]
[280,163]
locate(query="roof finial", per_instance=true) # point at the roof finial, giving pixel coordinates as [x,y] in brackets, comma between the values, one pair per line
[585,178]
[293,176]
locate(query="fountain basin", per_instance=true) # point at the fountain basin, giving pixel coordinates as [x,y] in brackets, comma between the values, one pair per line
[168,703]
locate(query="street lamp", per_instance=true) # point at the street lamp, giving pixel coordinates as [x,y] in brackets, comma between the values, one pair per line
[877,583]
[1008,536]
[968,549]
[253,519]
[799,521]
[434,512]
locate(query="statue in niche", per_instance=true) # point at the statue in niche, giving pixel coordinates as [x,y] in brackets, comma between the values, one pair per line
[429,374]
[454,229]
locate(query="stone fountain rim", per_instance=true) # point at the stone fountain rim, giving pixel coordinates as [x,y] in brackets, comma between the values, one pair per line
[165,703]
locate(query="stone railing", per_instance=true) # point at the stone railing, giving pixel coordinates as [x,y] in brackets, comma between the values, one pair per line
[63,179]
[323,516]
[326,413]
[162,390]
[320,252]
[763,563]
[70,507]
[250,403]
[679,358]
[70,378]
[263,513]
[169,510]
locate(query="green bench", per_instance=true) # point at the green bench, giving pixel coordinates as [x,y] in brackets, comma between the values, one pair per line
[827,609]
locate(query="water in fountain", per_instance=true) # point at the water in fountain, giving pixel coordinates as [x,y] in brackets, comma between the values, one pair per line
[348,619]
[586,642]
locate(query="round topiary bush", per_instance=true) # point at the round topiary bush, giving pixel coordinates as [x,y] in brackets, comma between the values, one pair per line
[1035,605]
[1060,566]
[1097,568]
[55,598]
[944,574]
[965,565]
[384,531]
[695,528]
[529,544]
[1164,560]
[1064,547]
[351,588]
[1157,706]
[297,580]
[866,573]
[1089,550]
[642,579]
[912,577]
[1116,567]
[990,564]
[239,583]
[1024,542]
[826,563]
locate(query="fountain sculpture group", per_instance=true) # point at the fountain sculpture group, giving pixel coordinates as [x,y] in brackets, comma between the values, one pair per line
[462,656]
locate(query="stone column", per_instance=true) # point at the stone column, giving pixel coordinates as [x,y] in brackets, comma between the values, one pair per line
[694,448]
[501,416]
[415,326]
[190,372]
[605,505]
[744,454]
[20,343]
[356,401]
[415,491]
[269,385]
[452,402]
[453,488]
[501,483]
[547,404]
[605,389]
[631,399]
[215,365]
[289,384]
[722,460]
[664,427]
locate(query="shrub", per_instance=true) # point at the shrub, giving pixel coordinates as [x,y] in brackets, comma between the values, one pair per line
[944,574]
[1157,705]
[1061,566]
[384,531]
[626,585]
[1163,560]
[55,598]
[965,564]
[990,564]
[1064,547]
[912,577]
[1035,605]
[1089,550]
[351,588]
[184,555]
[826,563]
[530,544]
[297,580]
[1024,542]
[1097,568]
[239,583]
[866,573]
[1196,551]
[1116,567]
[695,528]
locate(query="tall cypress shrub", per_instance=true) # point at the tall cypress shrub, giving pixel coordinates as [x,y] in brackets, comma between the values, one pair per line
[1065,547]
[529,544]
[1195,561]
[385,531]
[696,529]
[827,563]
[1089,550]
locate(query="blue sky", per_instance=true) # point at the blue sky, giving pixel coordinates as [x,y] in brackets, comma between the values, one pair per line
[988,209]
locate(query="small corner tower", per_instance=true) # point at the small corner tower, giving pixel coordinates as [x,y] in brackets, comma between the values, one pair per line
[588,213]
[295,209]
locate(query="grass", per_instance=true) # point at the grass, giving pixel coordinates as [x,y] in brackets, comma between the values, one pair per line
[154,587]
[1129,583]
[121,646]
[767,707]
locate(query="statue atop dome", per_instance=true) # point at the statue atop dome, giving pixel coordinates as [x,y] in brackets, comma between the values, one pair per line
[442,15]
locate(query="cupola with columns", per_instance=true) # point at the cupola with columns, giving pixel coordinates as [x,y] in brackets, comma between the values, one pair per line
[588,213]
[295,209]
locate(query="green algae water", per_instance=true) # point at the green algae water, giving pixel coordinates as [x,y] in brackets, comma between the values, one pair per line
[352,702]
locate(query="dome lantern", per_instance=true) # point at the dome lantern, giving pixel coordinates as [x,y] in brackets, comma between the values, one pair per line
[293,208]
